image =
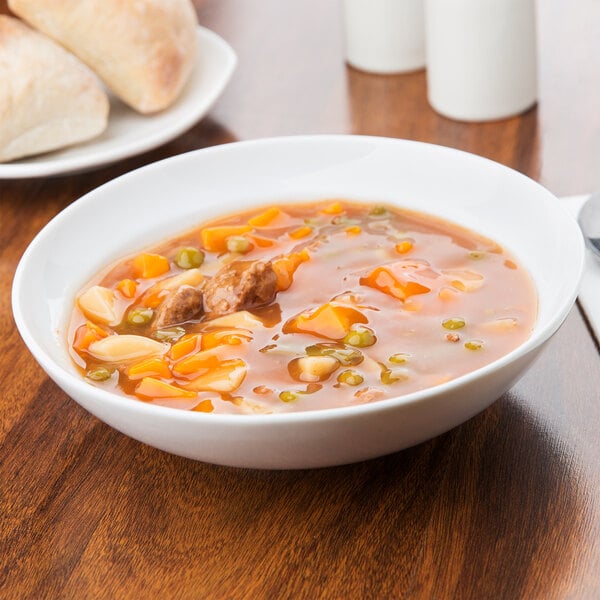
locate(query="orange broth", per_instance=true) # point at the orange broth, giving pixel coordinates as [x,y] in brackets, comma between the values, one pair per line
[373,302]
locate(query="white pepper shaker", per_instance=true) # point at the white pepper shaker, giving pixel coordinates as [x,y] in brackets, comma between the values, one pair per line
[384,36]
[481,57]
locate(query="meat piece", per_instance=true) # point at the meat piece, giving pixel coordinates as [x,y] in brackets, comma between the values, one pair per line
[182,304]
[241,285]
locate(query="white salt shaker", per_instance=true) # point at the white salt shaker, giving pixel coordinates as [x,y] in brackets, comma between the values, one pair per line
[384,36]
[481,57]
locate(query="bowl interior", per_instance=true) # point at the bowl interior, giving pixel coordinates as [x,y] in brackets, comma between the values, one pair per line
[165,198]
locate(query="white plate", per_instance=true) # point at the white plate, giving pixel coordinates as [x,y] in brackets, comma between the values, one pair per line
[128,132]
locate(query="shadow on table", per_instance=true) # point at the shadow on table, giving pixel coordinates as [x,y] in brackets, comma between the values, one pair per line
[468,514]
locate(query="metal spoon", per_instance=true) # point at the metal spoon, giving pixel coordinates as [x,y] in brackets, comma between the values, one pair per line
[589,221]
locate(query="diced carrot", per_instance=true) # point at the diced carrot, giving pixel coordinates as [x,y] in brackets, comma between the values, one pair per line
[335,208]
[214,239]
[127,287]
[388,282]
[150,367]
[301,232]
[353,230]
[204,406]
[200,362]
[229,337]
[447,294]
[331,321]
[227,377]
[285,267]
[150,265]
[404,246]
[86,334]
[154,297]
[265,218]
[186,345]
[150,388]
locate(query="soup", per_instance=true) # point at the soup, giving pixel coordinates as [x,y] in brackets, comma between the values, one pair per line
[301,307]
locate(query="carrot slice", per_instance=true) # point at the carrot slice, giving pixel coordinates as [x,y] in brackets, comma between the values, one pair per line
[186,345]
[150,265]
[403,247]
[214,239]
[127,287]
[154,297]
[227,377]
[335,208]
[150,388]
[199,363]
[204,406]
[150,367]
[87,334]
[329,321]
[388,282]
[223,337]
[301,232]
[265,218]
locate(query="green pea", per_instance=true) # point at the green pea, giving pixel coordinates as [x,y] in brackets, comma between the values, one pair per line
[288,396]
[350,377]
[140,315]
[378,211]
[399,359]
[348,357]
[388,376]
[168,335]
[239,244]
[474,345]
[476,254]
[455,323]
[361,337]
[98,374]
[189,258]
[344,220]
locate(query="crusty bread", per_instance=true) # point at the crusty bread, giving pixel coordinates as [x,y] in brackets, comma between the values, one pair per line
[143,50]
[48,98]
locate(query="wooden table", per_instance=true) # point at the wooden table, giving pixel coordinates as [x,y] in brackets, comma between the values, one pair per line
[505,506]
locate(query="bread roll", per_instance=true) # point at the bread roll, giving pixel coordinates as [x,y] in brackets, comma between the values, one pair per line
[48,98]
[143,50]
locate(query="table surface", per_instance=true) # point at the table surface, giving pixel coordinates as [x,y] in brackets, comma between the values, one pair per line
[505,506]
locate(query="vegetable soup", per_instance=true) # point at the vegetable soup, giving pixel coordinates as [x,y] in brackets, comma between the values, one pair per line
[301,307]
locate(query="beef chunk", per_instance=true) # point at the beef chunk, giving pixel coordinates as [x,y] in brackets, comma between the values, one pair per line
[241,285]
[182,304]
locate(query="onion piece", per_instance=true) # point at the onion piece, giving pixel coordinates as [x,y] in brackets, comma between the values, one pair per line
[99,304]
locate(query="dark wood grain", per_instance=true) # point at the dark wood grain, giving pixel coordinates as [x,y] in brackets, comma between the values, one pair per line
[505,506]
